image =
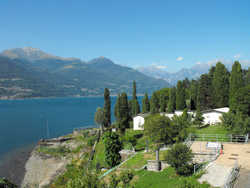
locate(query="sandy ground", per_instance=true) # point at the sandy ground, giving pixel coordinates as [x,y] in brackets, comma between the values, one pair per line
[42,170]
[244,179]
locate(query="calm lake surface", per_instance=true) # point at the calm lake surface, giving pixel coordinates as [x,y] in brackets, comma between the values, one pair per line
[24,122]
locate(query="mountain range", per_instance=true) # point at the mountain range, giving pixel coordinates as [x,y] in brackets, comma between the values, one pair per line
[192,73]
[29,73]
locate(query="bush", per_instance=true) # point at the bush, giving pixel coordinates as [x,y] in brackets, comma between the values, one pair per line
[180,157]
[91,141]
[85,133]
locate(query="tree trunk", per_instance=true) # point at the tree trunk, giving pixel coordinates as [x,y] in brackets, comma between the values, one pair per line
[157,160]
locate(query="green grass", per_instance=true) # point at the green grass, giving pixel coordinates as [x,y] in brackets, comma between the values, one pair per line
[55,152]
[165,179]
[212,129]
[99,156]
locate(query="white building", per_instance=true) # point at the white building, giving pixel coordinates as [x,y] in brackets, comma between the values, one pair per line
[213,116]
[138,121]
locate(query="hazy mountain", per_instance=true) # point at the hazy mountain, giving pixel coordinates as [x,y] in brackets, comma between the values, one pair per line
[192,73]
[69,76]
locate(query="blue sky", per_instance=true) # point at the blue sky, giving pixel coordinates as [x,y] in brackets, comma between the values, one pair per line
[169,34]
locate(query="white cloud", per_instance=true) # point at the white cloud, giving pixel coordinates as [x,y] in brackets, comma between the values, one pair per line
[198,63]
[237,56]
[179,58]
[158,66]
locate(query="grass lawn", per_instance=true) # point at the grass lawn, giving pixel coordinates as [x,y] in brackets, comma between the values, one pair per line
[211,129]
[165,179]
[99,156]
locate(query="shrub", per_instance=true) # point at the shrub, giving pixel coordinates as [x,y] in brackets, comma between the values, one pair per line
[91,141]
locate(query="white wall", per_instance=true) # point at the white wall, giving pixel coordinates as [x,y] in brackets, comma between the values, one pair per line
[138,123]
[212,117]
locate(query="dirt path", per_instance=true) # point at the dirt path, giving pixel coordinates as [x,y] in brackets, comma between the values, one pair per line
[244,179]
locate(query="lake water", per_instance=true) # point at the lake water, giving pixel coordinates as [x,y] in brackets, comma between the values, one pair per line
[24,122]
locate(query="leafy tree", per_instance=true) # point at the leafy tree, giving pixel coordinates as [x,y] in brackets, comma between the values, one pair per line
[204,100]
[112,147]
[135,103]
[186,83]
[106,109]
[117,106]
[193,95]
[198,118]
[126,178]
[4,183]
[172,100]
[247,81]
[123,122]
[145,104]
[179,157]
[236,124]
[180,96]
[154,103]
[113,181]
[220,86]
[99,117]
[157,128]
[235,80]
[241,101]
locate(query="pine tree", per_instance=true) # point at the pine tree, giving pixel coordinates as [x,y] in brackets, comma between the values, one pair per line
[130,109]
[193,95]
[203,96]
[135,103]
[220,86]
[198,118]
[106,109]
[180,96]
[145,104]
[117,106]
[235,80]
[163,102]
[154,103]
[172,100]
[247,82]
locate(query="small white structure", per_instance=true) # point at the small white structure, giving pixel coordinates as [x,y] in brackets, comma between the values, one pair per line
[138,121]
[214,145]
[213,116]
[169,114]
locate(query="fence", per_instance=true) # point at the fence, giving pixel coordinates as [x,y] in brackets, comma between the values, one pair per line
[220,138]
[232,177]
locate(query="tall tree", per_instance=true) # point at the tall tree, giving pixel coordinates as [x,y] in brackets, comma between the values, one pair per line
[247,82]
[220,86]
[145,104]
[172,100]
[154,103]
[163,102]
[193,95]
[123,122]
[130,110]
[235,80]
[99,117]
[198,118]
[135,103]
[106,109]
[117,106]
[203,95]
[180,96]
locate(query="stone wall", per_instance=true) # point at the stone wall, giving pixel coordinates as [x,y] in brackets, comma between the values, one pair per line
[151,165]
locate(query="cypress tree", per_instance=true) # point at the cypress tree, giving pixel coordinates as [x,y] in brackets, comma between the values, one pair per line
[163,102]
[123,122]
[135,103]
[247,82]
[145,104]
[220,86]
[106,109]
[172,100]
[117,106]
[154,103]
[180,96]
[193,95]
[235,80]
[130,109]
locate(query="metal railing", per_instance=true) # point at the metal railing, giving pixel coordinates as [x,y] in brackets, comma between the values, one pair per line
[232,177]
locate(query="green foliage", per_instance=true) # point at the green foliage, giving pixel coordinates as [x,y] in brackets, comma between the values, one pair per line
[126,178]
[172,100]
[91,141]
[145,104]
[220,86]
[163,102]
[198,118]
[235,80]
[180,156]
[157,128]
[247,79]
[204,97]
[193,95]
[241,101]
[154,103]
[55,151]
[236,124]
[130,110]
[99,117]
[113,181]
[106,109]
[117,107]
[135,103]
[123,122]
[180,96]
[85,133]
[4,183]
[112,147]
